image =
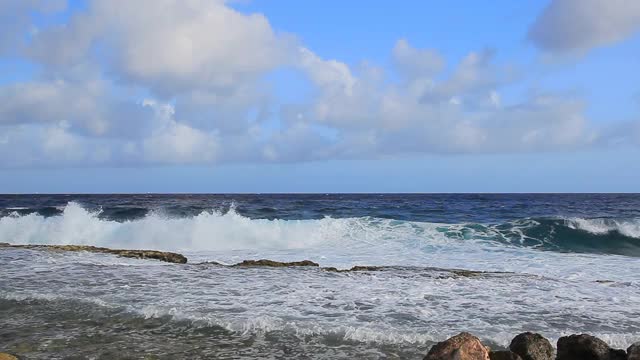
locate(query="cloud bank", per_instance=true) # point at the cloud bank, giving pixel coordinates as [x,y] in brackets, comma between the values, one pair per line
[153,82]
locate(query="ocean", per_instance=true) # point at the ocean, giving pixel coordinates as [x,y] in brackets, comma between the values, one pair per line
[556,264]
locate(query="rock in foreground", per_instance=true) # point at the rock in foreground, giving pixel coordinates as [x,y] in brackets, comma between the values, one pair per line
[633,352]
[5,356]
[587,347]
[463,346]
[531,346]
[504,355]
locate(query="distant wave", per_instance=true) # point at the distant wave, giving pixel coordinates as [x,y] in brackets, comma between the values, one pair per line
[223,231]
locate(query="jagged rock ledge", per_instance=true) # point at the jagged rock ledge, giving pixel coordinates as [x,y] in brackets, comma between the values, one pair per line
[136,254]
[531,346]
[181,259]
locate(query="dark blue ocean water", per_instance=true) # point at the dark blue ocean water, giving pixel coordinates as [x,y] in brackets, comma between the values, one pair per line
[556,264]
[600,223]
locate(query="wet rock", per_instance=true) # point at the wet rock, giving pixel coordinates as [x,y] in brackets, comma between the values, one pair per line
[210,263]
[532,346]
[5,356]
[463,346]
[152,254]
[633,352]
[366,268]
[354,269]
[467,273]
[504,355]
[137,254]
[271,263]
[587,347]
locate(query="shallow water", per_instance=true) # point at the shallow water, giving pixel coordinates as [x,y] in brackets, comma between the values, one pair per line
[559,265]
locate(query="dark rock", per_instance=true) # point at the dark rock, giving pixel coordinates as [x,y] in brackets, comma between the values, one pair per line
[633,352]
[618,354]
[463,346]
[587,347]
[467,273]
[531,346]
[504,355]
[354,268]
[137,254]
[271,263]
[366,268]
[210,263]
[331,269]
[152,254]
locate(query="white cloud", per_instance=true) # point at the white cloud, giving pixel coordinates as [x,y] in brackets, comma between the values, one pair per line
[413,62]
[579,25]
[459,113]
[204,66]
[88,107]
[174,142]
[169,46]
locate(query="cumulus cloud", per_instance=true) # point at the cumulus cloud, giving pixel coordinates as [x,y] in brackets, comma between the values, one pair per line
[413,62]
[579,25]
[168,46]
[87,107]
[187,82]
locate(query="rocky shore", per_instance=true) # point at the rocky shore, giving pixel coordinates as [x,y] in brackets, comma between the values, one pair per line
[525,346]
[464,346]
[181,259]
[531,346]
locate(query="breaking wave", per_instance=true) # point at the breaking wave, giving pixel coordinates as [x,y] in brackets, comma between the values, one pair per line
[225,231]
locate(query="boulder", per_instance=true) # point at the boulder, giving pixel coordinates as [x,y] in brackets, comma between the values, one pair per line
[5,356]
[633,352]
[587,347]
[504,355]
[532,346]
[463,346]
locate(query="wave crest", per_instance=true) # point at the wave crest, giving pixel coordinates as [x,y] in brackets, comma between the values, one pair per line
[228,231]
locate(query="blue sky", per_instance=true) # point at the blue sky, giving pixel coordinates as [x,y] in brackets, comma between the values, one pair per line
[319,96]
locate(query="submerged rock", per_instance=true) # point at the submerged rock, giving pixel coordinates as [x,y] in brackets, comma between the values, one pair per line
[137,254]
[467,273]
[633,352]
[463,346]
[271,263]
[504,355]
[532,346]
[5,356]
[587,347]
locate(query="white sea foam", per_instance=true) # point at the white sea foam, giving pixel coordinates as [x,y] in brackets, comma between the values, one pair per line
[630,228]
[392,306]
[206,231]
[229,238]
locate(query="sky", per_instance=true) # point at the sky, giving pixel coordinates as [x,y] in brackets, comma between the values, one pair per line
[103,96]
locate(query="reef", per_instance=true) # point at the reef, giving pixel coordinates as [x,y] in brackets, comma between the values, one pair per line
[136,254]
